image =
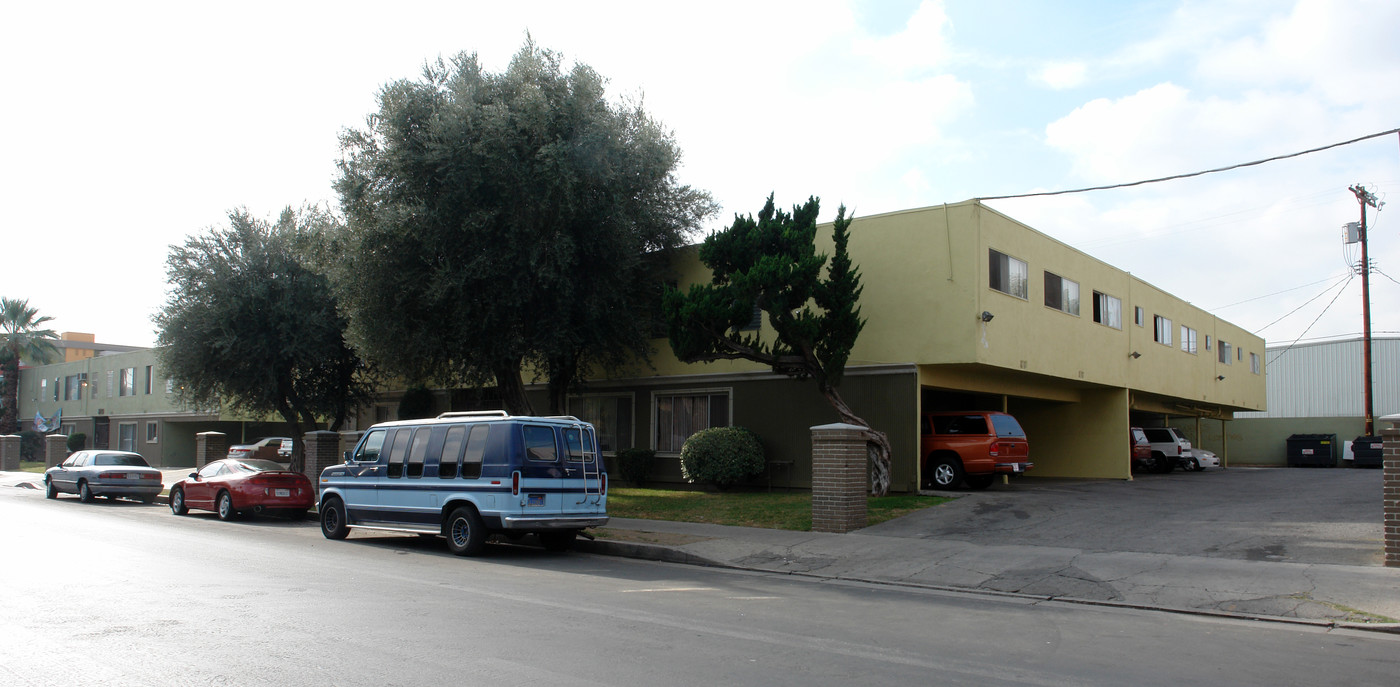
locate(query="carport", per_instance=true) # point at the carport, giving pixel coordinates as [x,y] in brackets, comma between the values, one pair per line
[1075,429]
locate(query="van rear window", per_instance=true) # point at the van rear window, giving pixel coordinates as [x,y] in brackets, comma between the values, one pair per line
[579,451]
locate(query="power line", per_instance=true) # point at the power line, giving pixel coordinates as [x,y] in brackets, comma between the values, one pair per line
[1295,288]
[1260,330]
[1310,325]
[1193,174]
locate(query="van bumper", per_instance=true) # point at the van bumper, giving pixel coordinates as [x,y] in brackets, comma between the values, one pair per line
[557,522]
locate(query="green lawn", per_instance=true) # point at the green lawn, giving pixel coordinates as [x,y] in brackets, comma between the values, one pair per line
[31,466]
[783,511]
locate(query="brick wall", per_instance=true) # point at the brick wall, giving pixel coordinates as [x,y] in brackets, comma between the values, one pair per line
[55,449]
[209,447]
[840,478]
[322,451]
[9,452]
[1391,495]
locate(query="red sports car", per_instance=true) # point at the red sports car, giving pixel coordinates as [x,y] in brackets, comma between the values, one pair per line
[236,485]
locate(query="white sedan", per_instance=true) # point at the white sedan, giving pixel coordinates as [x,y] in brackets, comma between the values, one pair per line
[1199,459]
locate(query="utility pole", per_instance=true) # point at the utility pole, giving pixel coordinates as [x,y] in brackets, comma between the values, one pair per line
[1364,198]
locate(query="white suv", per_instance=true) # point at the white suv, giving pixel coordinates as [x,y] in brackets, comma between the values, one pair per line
[1168,448]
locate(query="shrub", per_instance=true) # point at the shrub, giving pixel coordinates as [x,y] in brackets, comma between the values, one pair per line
[77,441]
[635,464]
[417,402]
[722,456]
[31,445]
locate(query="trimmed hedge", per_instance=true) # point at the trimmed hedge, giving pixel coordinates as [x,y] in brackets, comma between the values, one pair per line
[722,456]
[635,464]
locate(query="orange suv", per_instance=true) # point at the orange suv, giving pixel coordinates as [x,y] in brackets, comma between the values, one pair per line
[971,447]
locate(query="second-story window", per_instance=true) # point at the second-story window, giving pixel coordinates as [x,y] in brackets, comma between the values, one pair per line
[1108,311]
[1061,294]
[1188,339]
[1008,275]
[1162,332]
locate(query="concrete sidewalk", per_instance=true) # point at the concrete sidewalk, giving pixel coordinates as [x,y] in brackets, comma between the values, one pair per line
[1316,594]
[1329,595]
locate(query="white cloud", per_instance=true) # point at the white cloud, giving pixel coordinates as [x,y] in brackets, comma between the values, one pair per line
[922,45]
[1061,75]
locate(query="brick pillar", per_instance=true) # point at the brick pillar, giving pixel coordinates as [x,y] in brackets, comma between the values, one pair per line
[840,477]
[1390,481]
[209,447]
[322,451]
[9,452]
[348,440]
[55,449]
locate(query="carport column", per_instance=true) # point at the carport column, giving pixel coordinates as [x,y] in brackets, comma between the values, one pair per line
[9,452]
[55,449]
[840,477]
[209,447]
[322,451]
[1390,481]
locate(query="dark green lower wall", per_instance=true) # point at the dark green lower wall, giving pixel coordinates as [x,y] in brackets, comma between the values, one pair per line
[1264,441]
[782,413]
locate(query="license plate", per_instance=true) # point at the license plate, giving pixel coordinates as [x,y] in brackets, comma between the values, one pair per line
[534,499]
[281,492]
[1307,452]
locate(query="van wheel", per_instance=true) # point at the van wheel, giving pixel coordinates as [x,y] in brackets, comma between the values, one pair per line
[333,519]
[558,541]
[979,481]
[466,536]
[947,472]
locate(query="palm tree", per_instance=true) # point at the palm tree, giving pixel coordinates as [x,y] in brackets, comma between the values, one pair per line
[20,337]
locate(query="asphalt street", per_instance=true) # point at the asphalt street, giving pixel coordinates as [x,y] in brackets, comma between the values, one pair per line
[121,593]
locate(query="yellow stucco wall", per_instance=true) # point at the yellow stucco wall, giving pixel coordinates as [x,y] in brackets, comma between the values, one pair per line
[925,275]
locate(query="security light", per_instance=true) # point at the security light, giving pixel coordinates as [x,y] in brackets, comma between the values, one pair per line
[986,316]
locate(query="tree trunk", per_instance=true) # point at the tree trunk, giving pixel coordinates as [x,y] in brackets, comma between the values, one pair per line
[9,419]
[878,445]
[512,388]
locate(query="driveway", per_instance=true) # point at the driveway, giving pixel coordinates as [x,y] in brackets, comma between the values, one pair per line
[1300,515]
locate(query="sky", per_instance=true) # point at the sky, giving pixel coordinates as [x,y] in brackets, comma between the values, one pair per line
[132,126]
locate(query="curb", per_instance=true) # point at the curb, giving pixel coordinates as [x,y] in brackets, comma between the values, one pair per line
[652,552]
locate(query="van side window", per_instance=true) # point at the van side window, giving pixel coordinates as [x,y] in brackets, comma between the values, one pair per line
[476,449]
[398,452]
[539,443]
[418,452]
[579,452]
[452,451]
[369,451]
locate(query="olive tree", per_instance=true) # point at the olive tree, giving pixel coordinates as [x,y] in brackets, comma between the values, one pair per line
[248,324]
[503,221]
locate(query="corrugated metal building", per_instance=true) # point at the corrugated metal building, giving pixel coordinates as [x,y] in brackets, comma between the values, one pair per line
[1324,379]
[1312,388]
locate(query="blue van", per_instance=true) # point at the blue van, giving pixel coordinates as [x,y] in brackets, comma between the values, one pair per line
[468,475]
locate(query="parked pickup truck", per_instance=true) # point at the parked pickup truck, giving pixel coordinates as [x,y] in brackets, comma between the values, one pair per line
[972,448]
